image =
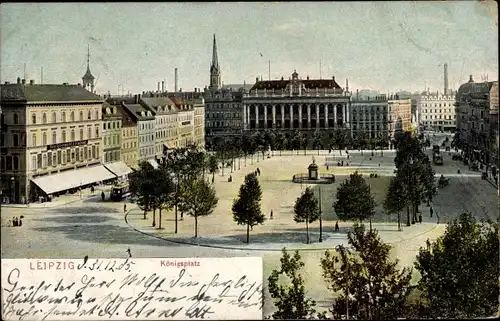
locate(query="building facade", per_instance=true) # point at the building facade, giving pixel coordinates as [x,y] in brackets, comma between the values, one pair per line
[223,106]
[399,115]
[47,130]
[145,128]
[474,104]
[369,116]
[185,122]
[199,122]
[296,104]
[111,133]
[436,111]
[129,139]
[166,129]
[494,131]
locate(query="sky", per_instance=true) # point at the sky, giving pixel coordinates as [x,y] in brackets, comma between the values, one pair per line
[385,46]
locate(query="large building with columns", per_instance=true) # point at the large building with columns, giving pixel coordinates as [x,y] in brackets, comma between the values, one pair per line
[302,104]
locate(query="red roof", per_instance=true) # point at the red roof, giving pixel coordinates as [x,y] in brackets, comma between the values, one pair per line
[309,84]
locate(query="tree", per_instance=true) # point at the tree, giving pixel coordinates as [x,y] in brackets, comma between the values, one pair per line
[200,200]
[141,187]
[317,140]
[368,284]
[280,141]
[296,141]
[290,299]
[395,200]
[306,209]
[354,199]
[460,270]
[213,165]
[339,138]
[246,207]
[164,191]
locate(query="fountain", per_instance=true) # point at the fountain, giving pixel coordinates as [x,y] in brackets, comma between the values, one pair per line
[313,176]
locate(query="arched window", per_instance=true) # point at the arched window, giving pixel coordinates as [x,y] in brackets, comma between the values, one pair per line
[44,118]
[54,120]
[96,131]
[72,116]
[72,135]
[64,136]
[81,115]
[33,118]
[44,139]
[63,116]
[54,137]
[89,115]
[81,133]
[97,114]
[33,140]
[89,133]
[16,119]
[15,138]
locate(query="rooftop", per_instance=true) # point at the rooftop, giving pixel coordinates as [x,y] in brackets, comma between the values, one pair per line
[34,92]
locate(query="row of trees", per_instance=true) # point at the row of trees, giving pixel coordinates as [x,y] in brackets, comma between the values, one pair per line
[180,183]
[459,278]
[262,141]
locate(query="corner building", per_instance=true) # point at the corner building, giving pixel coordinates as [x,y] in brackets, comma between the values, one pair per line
[51,140]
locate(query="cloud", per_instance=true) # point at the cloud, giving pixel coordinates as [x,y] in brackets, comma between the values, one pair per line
[294,26]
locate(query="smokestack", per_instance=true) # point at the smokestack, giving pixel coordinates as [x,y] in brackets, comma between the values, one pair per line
[158,86]
[162,86]
[175,80]
[446,79]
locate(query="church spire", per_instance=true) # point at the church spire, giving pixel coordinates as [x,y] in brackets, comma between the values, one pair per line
[215,60]
[88,78]
[215,79]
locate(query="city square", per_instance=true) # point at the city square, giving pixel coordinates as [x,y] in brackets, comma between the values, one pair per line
[88,226]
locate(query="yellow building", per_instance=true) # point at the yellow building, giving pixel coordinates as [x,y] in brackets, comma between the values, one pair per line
[199,122]
[129,146]
[51,140]
[399,115]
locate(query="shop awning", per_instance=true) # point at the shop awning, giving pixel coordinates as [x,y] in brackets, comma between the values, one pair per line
[73,179]
[118,168]
[153,163]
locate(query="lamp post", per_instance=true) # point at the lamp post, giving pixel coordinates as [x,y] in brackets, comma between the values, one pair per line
[410,181]
[320,219]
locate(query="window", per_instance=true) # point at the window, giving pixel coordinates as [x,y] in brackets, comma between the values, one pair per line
[33,162]
[77,154]
[72,135]
[89,115]
[59,157]
[64,136]
[68,155]
[93,151]
[104,126]
[89,133]
[44,139]
[33,140]
[54,159]
[97,131]
[49,159]
[54,137]
[16,162]
[54,120]
[97,114]
[81,115]
[81,133]
[84,153]
[39,161]
[72,116]
[63,117]
[16,119]
[44,164]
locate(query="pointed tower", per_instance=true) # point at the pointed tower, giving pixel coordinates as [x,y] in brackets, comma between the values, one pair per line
[88,79]
[215,79]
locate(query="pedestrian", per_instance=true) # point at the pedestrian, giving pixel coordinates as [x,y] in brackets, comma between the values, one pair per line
[102,195]
[432,211]
[14,220]
[129,252]
[342,163]
[92,189]
[420,218]
[20,222]
[271,214]
[124,207]
[337,226]
[326,166]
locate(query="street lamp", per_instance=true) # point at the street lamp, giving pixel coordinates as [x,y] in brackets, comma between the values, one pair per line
[410,182]
[339,249]
[320,220]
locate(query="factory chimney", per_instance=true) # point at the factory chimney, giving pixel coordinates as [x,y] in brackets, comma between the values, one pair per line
[175,80]
[163,86]
[446,79]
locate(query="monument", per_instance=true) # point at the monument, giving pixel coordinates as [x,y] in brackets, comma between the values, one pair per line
[313,176]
